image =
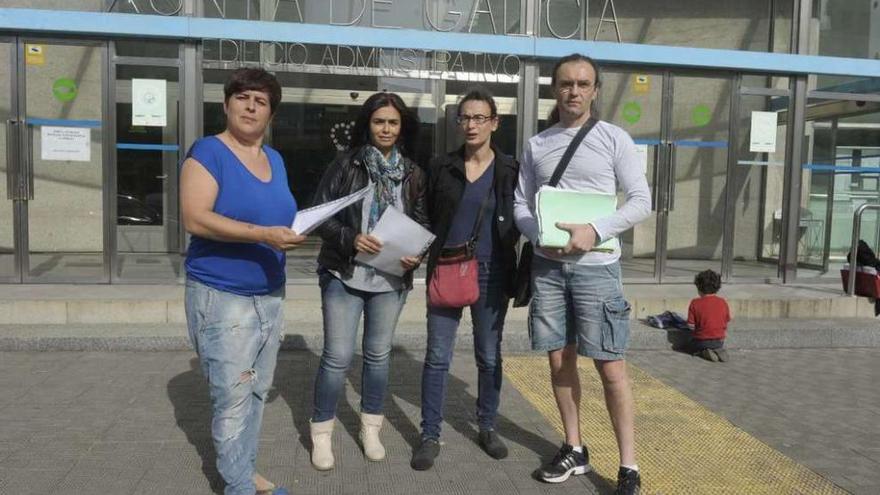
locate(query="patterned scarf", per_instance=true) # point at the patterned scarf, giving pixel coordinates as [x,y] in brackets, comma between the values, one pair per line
[385,175]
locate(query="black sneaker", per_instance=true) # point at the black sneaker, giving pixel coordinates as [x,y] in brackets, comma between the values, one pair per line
[628,482]
[566,463]
[423,457]
[492,444]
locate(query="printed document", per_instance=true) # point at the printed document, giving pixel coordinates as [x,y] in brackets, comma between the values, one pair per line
[401,236]
[556,205]
[309,219]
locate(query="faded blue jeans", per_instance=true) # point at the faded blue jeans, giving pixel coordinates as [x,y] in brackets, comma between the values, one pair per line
[342,308]
[237,339]
[488,315]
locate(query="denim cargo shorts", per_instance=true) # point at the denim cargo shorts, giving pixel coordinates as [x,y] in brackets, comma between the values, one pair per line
[580,304]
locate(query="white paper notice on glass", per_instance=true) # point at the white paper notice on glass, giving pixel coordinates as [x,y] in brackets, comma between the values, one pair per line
[72,144]
[148,102]
[642,154]
[308,220]
[401,236]
[763,135]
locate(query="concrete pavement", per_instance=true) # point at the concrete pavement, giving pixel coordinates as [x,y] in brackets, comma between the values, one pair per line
[127,422]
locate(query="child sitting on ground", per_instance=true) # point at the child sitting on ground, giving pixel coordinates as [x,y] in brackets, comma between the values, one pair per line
[708,316]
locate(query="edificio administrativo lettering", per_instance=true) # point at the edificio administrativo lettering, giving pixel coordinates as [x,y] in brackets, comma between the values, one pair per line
[354,59]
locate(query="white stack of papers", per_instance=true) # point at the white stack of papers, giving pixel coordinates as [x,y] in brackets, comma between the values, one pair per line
[309,219]
[401,236]
[556,205]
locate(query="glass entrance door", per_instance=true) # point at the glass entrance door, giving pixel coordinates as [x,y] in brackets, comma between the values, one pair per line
[756,181]
[62,161]
[680,123]
[692,208]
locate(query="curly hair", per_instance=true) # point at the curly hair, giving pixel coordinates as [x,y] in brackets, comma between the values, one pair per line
[708,282]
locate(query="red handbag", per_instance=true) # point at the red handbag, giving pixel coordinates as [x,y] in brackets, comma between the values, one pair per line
[454,283]
[455,279]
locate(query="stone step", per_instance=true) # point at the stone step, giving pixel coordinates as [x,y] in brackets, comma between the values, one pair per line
[81,305]
[744,333]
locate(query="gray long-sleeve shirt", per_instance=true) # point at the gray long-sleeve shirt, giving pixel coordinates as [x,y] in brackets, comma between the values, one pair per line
[605,159]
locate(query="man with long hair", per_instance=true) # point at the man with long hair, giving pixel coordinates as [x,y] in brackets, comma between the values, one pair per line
[578,306]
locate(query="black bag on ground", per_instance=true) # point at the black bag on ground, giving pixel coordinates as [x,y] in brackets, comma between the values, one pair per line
[523,290]
[865,256]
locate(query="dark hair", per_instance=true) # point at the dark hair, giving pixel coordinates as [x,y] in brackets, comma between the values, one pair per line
[574,57]
[253,79]
[479,93]
[409,123]
[708,282]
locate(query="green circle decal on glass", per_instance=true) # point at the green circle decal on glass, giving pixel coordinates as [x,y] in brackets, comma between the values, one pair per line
[701,115]
[632,112]
[64,89]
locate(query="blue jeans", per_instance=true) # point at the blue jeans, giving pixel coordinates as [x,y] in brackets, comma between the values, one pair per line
[342,307]
[237,339]
[487,315]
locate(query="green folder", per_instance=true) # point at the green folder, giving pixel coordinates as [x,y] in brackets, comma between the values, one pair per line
[567,206]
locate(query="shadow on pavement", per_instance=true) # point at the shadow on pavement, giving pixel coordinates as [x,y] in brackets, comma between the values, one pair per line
[188,392]
[294,380]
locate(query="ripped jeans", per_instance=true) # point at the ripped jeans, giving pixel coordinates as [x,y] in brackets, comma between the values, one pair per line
[237,339]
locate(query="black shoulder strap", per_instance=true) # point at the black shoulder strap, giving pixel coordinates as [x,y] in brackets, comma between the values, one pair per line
[569,152]
[475,234]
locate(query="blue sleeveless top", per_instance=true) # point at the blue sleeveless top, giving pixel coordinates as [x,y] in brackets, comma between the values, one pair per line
[240,267]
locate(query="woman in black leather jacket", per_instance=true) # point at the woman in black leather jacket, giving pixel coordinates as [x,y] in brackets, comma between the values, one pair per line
[382,153]
[459,184]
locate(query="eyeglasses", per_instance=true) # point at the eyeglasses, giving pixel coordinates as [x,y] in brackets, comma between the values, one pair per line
[476,119]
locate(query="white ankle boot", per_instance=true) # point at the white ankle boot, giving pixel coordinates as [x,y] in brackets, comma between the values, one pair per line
[322,451]
[370,426]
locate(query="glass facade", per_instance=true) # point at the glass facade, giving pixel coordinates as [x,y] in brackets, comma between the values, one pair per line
[110,213]
[842,173]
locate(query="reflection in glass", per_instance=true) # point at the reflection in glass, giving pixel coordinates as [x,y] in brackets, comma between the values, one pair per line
[148,241]
[757,188]
[843,173]
[699,133]
[65,219]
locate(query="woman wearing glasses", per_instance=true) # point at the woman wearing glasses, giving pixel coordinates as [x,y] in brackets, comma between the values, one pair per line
[475,178]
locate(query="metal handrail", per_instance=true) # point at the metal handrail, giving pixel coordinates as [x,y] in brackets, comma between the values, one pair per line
[856,233]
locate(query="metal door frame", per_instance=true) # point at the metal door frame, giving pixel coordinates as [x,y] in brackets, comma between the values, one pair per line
[25,171]
[13,127]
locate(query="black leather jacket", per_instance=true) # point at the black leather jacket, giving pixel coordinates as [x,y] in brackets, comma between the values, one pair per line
[348,174]
[446,183]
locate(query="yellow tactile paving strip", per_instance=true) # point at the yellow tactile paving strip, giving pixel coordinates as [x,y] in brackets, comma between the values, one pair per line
[682,447]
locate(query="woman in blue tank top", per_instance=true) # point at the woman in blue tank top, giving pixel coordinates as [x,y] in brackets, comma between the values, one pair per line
[236,203]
